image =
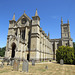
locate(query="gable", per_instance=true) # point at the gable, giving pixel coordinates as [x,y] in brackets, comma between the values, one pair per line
[24,16]
[24,20]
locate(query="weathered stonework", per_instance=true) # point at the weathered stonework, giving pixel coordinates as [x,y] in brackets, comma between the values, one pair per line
[27,40]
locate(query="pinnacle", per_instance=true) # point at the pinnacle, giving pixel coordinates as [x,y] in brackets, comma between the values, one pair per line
[68,21]
[48,34]
[36,14]
[13,17]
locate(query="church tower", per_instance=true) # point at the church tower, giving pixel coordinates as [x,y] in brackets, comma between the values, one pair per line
[65,33]
[35,33]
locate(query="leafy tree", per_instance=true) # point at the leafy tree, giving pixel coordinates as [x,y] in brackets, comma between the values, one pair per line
[66,53]
[2,51]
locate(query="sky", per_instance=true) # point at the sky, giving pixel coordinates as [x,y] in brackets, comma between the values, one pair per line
[49,11]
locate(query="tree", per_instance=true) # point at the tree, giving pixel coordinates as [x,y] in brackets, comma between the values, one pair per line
[74,47]
[2,51]
[66,53]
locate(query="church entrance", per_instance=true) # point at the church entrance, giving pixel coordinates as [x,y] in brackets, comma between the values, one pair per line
[13,50]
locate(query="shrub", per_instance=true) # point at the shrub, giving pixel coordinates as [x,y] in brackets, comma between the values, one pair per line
[66,53]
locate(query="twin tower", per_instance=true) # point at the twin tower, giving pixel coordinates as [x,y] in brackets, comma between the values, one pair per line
[27,40]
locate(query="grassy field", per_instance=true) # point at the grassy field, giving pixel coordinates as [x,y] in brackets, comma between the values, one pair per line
[39,69]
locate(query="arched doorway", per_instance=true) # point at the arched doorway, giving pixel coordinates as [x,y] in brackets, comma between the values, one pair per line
[13,50]
[28,57]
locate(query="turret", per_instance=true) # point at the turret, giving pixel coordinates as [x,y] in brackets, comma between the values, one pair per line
[36,19]
[11,25]
[12,22]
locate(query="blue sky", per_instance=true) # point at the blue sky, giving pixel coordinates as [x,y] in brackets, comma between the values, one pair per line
[50,12]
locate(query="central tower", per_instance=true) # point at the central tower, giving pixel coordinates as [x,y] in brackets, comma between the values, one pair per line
[65,34]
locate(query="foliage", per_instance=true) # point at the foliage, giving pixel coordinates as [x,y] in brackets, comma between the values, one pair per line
[2,51]
[74,51]
[74,47]
[66,53]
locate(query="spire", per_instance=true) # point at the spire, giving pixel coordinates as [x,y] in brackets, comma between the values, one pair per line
[36,14]
[61,20]
[68,21]
[13,17]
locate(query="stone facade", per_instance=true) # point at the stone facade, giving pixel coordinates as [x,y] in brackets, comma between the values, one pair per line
[26,39]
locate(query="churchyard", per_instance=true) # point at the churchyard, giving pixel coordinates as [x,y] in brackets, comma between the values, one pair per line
[43,68]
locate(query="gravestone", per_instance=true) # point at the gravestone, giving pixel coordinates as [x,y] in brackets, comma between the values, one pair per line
[12,62]
[19,61]
[25,66]
[1,65]
[61,62]
[46,67]
[3,62]
[33,62]
[8,62]
[15,65]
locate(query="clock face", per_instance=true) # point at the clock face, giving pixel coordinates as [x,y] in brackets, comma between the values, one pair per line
[24,21]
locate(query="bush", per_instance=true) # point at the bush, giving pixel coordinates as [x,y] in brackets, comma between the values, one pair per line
[66,53]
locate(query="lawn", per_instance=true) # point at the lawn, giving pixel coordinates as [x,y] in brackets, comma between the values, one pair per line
[39,69]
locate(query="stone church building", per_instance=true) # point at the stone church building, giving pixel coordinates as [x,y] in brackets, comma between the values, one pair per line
[26,39]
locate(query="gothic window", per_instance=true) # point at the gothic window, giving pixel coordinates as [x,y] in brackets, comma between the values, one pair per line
[65,29]
[16,32]
[24,21]
[23,34]
[20,33]
[29,39]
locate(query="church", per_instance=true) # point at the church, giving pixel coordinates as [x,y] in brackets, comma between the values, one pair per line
[27,40]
